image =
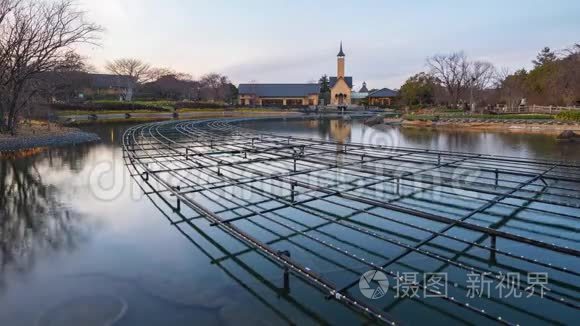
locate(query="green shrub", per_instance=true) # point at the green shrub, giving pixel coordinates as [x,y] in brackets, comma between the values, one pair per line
[110,106]
[518,116]
[569,116]
[198,105]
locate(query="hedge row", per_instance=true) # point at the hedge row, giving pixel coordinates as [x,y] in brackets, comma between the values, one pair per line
[197,105]
[108,106]
[105,105]
[569,116]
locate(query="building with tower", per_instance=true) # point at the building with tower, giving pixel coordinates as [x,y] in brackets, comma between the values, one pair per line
[296,95]
[341,85]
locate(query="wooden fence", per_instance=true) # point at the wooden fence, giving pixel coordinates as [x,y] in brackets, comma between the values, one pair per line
[542,109]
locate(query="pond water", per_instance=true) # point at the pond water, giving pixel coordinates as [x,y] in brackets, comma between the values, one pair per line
[77,234]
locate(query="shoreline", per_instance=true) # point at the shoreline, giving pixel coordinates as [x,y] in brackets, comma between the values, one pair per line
[503,126]
[39,136]
[82,119]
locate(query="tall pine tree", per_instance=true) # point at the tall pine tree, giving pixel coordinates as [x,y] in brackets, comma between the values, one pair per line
[545,56]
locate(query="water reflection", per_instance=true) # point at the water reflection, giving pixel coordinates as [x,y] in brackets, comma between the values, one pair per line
[336,129]
[46,207]
[33,221]
[528,145]
[281,298]
[500,143]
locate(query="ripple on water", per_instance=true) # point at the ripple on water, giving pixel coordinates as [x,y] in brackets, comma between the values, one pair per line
[208,293]
[98,310]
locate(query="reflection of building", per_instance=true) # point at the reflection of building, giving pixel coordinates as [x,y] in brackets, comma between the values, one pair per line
[340,130]
[382,97]
[341,85]
[279,94]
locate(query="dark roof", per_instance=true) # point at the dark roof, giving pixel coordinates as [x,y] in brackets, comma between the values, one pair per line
[111,81]
[385,92]
[332,81]
[279,90]
[340,54]
[364,88]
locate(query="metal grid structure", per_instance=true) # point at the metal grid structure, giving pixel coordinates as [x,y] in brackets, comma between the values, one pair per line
[358,207]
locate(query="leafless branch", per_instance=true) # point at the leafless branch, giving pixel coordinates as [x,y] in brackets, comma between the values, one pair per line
[35,37]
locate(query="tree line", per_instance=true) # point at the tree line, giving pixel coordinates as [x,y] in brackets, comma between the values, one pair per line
[147,83]
[166,83]
[456,81]
[38,63]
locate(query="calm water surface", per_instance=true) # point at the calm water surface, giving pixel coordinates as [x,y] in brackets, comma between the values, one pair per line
[77,233]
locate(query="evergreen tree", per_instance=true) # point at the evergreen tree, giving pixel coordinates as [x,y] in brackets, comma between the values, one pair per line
[418,89]
[545,56]
[324,84]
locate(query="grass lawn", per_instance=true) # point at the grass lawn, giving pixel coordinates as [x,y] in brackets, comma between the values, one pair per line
[86,112]
[202,110]
[232,110]
[167,105]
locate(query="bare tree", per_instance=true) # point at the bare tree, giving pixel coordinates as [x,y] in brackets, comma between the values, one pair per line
[75,62]
[452,70]
[482,74]
[574,50]
[140,71]
[458,75]
[65,81]
[35,37]
[135,68]
[511,86]
[155,73]
[215,87]
[481,77]
[567,85]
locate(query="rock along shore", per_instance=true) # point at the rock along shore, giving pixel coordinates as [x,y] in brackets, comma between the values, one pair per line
[70,137]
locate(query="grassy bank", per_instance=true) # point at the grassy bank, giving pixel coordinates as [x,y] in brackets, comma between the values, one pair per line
[413,117]
[87,112]
[81,112]
[194,114]
[166,105]
[127,106]
[569,116]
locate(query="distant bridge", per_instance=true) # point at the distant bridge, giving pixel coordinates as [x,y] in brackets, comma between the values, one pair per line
[357,207]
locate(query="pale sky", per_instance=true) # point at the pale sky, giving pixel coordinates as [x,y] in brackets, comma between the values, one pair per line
[296,41]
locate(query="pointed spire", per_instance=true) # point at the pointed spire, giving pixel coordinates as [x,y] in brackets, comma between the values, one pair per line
[340,54]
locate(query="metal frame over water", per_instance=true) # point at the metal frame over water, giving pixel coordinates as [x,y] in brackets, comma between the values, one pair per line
[480,214]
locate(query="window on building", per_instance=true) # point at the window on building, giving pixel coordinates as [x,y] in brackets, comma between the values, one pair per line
[294,102]
[272,102]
